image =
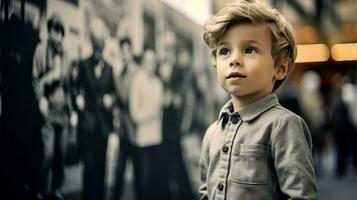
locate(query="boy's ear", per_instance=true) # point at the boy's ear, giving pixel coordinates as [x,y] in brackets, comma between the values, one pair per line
[282,70]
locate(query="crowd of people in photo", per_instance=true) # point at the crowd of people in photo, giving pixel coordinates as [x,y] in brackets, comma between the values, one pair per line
[149,127]
[77,104]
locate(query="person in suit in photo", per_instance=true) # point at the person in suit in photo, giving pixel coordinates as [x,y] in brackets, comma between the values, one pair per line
[95,118]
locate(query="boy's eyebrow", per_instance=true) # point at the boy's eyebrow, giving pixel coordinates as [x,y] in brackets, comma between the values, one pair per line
[245,42]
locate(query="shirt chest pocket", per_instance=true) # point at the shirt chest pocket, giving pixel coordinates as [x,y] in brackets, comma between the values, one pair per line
[250,164]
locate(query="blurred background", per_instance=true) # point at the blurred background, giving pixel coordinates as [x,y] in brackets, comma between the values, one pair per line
[109,99]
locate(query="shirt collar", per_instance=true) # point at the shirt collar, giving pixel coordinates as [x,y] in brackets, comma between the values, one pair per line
[250,111]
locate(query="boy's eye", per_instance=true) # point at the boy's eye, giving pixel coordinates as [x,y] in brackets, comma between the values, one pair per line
[224,51]
[250,50]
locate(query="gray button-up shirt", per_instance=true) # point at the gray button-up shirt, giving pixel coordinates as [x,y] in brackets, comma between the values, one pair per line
[262,151]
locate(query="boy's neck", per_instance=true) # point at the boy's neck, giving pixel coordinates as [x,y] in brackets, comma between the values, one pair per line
[240,102]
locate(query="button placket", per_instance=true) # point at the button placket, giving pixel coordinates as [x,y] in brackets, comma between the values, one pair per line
[224,161]
[231,130]
[220,186]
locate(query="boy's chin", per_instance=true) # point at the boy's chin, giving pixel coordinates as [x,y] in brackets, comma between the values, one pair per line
[249,95]
[235,91]
[237,94]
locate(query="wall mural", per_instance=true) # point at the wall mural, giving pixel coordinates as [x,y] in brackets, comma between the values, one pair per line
[102,99]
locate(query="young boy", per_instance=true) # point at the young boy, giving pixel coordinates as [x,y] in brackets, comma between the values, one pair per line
[256,149]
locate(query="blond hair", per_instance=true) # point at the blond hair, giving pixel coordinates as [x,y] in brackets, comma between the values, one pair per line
[253,11]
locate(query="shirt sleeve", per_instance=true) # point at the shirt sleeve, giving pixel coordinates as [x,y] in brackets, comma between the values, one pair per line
[292,155]
[204,163]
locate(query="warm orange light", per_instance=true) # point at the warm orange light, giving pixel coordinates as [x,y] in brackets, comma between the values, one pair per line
[312,53]
[344,52]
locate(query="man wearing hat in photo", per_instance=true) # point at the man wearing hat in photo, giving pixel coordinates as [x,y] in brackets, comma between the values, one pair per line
[50,82]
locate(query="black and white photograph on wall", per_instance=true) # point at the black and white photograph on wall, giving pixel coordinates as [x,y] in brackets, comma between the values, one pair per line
[109,102]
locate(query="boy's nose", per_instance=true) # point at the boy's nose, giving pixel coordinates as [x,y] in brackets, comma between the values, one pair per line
[235,59]
[234,63]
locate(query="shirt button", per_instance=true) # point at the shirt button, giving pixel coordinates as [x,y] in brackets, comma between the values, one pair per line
[220,186]
[225,148]
[234,119]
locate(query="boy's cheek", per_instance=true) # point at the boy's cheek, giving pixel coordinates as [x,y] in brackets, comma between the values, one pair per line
[220,77]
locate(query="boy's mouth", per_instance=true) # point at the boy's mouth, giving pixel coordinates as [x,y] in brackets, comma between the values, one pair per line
[235,75]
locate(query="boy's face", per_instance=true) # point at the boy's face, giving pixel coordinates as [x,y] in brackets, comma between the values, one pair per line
[245,66]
